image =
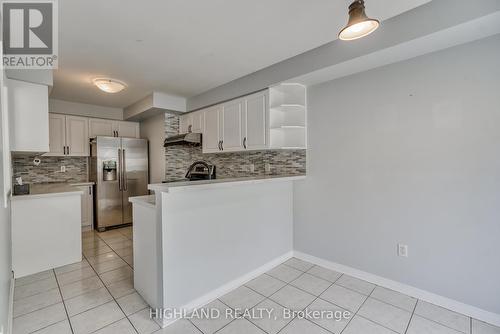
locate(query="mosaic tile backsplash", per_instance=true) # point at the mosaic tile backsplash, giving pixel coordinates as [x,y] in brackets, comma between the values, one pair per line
[235,164]
[49,169]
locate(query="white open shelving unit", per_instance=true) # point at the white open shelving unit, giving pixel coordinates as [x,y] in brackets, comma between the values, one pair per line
[288,116]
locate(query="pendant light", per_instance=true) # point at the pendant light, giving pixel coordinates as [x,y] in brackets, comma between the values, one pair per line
[359,25]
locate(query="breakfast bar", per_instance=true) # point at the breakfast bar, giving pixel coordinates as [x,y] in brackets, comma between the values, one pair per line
[210,237]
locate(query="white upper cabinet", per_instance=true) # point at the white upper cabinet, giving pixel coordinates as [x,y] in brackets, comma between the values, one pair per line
[237,125]
[28,116]
[57,135]
[231,135]
[77,136]
[197,121]
[211,130]
[275,118]
[255,122]
[127,129]
[101,127]
[110,128]
[185,122]
[192,122]
[68,136]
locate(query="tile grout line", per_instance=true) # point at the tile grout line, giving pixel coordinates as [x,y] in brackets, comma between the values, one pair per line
[64,303]
[316,300]
[286,284]
[113,297]
[355,313]
[411,317]
[113,250]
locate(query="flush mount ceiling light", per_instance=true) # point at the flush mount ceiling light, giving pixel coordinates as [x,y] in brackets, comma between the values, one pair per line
[109,85]
[359,25]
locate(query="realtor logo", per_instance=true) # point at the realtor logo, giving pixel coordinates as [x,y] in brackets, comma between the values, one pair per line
[29,34]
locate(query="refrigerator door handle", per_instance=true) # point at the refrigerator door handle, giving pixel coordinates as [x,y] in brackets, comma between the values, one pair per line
[120,169]
[124,171]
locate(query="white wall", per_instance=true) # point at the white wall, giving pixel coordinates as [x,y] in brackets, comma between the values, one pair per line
[83,109]
[5,246]
[153,129]
[409,153]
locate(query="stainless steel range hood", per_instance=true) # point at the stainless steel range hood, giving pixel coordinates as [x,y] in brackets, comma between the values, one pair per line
[184,139]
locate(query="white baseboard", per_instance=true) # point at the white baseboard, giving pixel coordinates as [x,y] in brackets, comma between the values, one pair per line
[471,311]
[230,286]
[10,314]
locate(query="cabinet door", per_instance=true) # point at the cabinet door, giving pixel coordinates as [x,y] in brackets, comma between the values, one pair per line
[255,121]
[197,121]
[100,127]
[211,129]
[77,136]
[232,134]
[57,130]
[127,129]
[185,123]
[28,116]
[87,206]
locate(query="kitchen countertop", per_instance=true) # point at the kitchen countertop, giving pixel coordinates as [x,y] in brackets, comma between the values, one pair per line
[148,200]
[174,186]
[38,190]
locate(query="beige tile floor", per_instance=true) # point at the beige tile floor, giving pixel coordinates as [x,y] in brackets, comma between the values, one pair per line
[97,296]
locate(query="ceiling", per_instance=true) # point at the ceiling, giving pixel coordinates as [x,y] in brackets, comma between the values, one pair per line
[185,47]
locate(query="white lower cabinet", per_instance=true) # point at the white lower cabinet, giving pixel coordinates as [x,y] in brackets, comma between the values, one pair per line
[87,206]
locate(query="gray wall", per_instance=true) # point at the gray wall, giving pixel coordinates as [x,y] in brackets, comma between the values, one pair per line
[5,247]
[409,153]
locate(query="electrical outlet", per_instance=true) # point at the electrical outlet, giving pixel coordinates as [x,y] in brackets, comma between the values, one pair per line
[63,169]
[267,167]
[251,168]
[402,250]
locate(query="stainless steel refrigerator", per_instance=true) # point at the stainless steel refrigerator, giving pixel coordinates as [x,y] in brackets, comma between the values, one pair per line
[119,168]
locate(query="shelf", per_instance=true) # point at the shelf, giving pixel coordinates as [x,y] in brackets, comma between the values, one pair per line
[288,116]
[289,107]
[288,127]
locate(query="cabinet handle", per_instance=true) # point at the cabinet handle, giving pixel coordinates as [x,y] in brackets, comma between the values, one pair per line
[222,145]
[245,143]
[124,171]
[64,150]
[90,190]
[120,169]
[68,149]
[218,144]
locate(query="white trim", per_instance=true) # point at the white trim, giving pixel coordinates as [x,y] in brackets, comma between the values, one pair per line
[469,310]
[10,313]
[228,287]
